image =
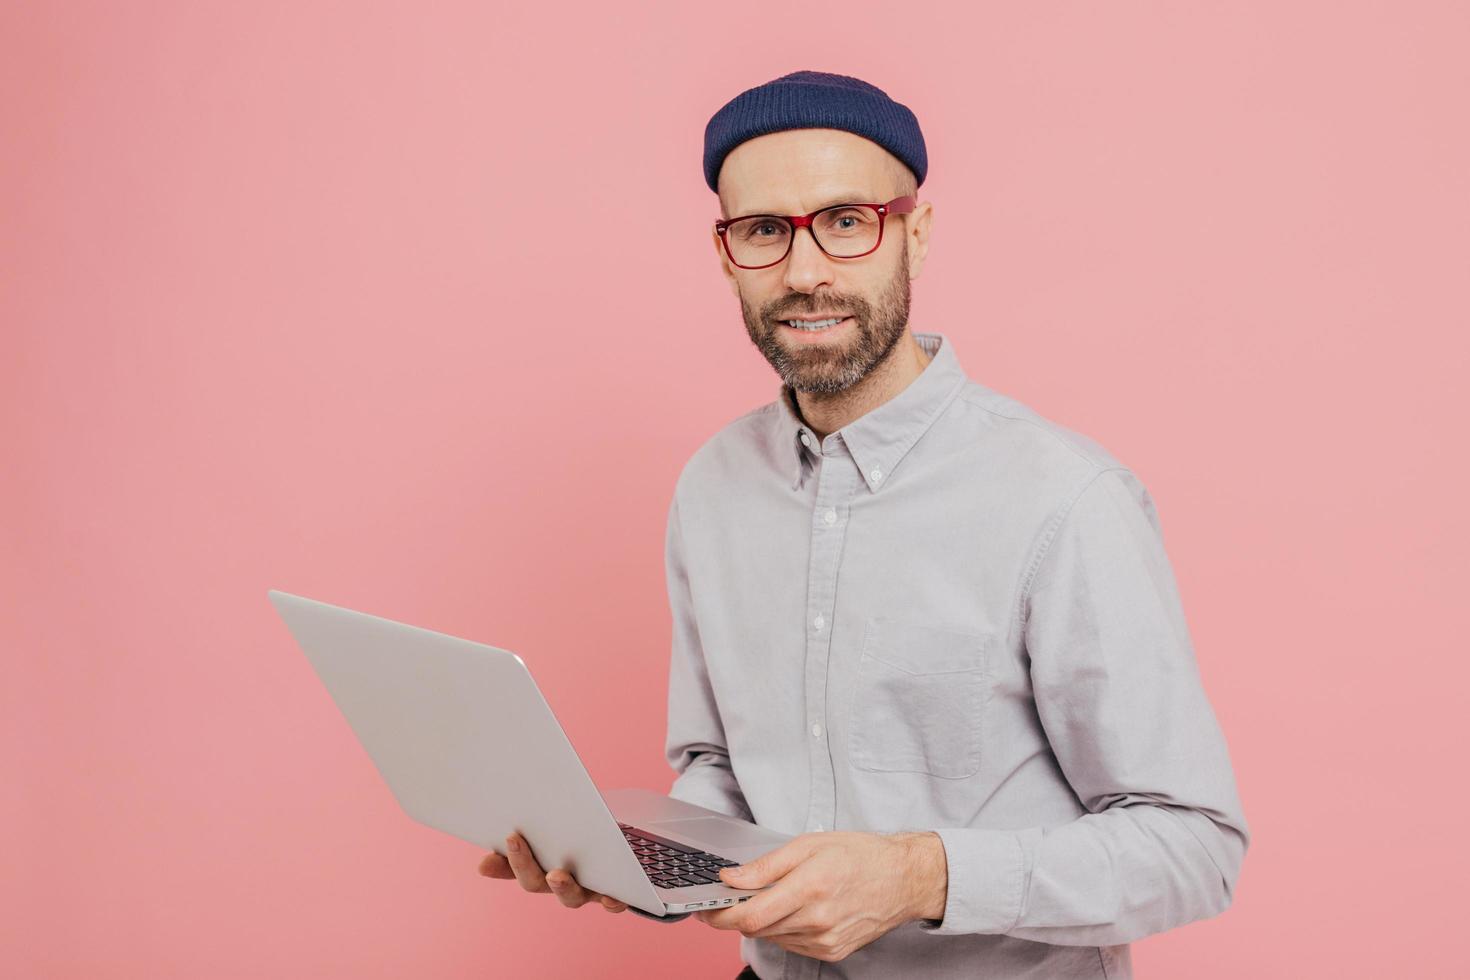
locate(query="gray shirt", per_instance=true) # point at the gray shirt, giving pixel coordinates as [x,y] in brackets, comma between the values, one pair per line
[955,615]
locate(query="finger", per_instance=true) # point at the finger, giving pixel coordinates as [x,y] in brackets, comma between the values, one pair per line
[771,865]
[781,906]
[802,949]
[730,917]
[612,904]
[496,866]
[795,923]
[527,871]
[718,918]
[566,889]
[751,915]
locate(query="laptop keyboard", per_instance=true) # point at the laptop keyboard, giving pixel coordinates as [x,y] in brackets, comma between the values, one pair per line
[670,864]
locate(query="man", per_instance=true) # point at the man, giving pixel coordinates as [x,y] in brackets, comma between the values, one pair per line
[927,630]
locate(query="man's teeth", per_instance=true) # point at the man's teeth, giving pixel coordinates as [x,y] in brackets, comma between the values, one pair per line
[815,324]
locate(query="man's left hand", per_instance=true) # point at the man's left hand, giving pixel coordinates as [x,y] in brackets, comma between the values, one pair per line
[835,892]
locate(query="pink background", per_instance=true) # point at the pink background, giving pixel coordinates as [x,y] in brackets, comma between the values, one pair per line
[305,296]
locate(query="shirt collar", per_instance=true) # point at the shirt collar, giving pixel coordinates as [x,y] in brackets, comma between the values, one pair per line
[882,437]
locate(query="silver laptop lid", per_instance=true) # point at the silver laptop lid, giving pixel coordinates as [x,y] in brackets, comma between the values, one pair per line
[466,741]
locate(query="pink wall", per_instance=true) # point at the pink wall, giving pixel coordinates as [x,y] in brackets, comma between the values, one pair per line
[303,295]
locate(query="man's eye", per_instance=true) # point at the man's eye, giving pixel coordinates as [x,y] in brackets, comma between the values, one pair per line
[763,229]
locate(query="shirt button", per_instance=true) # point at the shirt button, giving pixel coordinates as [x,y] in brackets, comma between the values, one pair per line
[830,517]
[816,729]
[806,440]
[876,475]
[819,622]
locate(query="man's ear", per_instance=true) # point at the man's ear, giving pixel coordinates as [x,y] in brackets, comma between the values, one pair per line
[725,266]
[916,227]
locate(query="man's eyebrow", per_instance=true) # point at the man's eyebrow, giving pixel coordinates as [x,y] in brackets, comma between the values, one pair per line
[846,197]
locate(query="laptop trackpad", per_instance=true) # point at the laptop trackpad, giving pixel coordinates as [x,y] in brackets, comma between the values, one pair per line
[719,833]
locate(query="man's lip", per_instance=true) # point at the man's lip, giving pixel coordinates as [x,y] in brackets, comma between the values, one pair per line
[808,318]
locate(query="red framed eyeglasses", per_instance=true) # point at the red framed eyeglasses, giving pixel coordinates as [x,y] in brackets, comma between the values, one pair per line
[843,231]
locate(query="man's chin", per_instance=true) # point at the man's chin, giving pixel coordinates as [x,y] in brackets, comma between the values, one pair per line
[811,377]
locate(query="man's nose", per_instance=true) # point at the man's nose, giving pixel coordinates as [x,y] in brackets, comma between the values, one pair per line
[807,267]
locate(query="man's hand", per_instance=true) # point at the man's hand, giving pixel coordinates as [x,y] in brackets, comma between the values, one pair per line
[518,863]
[836,892]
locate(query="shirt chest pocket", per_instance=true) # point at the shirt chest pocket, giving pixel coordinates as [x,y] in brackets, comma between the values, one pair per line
[917,695]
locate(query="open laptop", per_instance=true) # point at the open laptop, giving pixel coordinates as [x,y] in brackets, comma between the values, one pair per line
[468,745]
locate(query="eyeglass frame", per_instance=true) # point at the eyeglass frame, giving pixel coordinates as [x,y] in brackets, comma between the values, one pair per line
[899,205]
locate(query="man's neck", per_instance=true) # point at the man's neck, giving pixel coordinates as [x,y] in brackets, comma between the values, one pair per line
[825,414]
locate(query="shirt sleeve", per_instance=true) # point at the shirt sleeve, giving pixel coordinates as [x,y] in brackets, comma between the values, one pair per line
[1119,695]
[695,746]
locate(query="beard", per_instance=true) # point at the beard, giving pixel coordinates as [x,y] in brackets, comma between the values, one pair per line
[829,368]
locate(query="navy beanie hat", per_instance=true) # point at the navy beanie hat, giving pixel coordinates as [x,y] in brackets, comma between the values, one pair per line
[814,99]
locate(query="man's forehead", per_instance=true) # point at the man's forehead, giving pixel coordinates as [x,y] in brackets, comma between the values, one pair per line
[796,171]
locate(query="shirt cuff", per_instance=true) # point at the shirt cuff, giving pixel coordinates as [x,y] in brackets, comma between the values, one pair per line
[988,871]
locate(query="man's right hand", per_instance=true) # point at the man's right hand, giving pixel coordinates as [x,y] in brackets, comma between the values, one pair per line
[518,863]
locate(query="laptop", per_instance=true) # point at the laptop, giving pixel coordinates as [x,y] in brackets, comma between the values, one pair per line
[469,746]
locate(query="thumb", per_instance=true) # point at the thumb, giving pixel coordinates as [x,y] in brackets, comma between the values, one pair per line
[768,867]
